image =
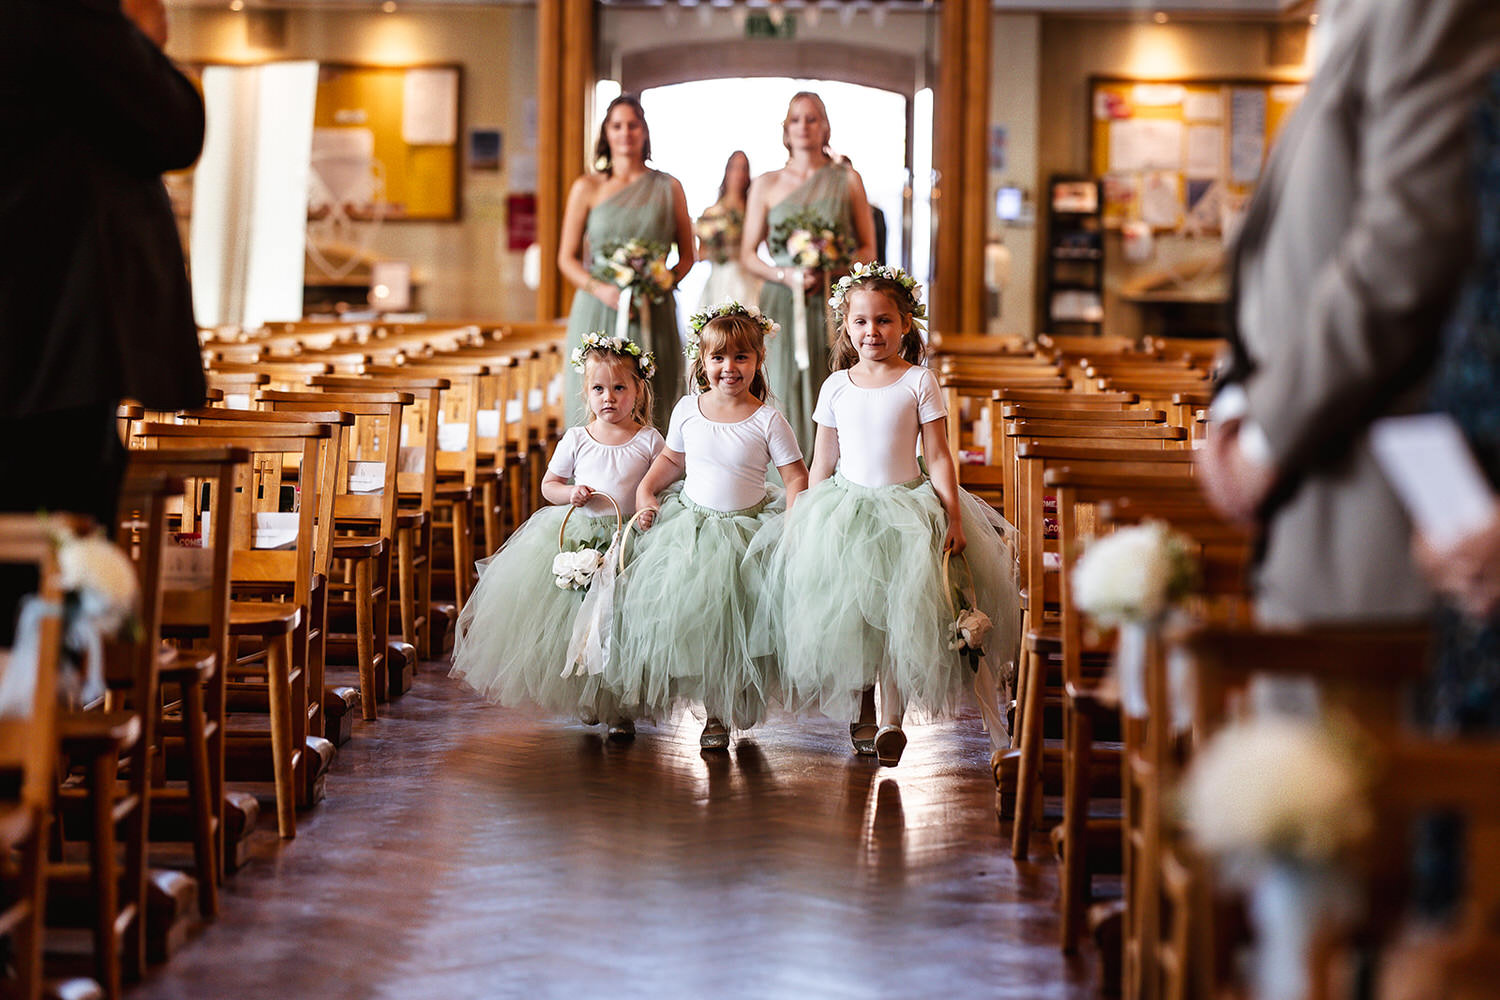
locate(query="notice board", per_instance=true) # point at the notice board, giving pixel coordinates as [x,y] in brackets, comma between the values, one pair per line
[1183,154]
[403,118]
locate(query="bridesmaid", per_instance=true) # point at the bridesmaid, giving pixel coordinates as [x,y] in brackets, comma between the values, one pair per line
[719,229]
[812,181]
[624,200]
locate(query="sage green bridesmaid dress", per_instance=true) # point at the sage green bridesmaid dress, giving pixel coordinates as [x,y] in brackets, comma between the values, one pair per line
[642,210]
[826,194]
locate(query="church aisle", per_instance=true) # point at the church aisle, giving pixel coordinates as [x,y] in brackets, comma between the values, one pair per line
[470,852]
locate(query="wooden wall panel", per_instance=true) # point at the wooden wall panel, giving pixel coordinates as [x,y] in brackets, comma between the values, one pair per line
[565,79]
[961,153]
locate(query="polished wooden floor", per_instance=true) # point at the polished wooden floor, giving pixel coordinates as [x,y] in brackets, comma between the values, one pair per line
[470,852]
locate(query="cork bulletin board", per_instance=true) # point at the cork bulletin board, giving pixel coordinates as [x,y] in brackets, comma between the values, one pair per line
[1182,155]
[406,119]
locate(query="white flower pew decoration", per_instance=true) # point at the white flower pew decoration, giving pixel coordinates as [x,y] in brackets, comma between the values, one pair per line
[102,594]
[1131,579]
[1281,802]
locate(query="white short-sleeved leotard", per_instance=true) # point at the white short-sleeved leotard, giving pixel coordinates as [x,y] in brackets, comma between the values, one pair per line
[726,463]
[879,428]
[616,469]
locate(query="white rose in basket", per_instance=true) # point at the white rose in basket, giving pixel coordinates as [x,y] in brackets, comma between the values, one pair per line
[970,631]
[574,570]
[1134,574]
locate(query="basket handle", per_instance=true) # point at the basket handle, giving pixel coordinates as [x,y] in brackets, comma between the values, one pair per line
[625,534]
[948,579]
[571,508]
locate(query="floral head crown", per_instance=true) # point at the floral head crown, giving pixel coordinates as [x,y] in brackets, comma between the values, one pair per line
[872,272]
[768,326]
[645,361]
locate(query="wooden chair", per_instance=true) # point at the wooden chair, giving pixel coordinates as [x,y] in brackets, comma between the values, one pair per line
[28,749]
[109,747]
[1082,345]
[1155,751]
[283,581]
[195,615]
[364,518]
[968,396]
[980,344]
[468,431]
[1126,451]
[1186,408]
[311,640]
[1420,777]
[419,488]
[1085,703]
[1364,672]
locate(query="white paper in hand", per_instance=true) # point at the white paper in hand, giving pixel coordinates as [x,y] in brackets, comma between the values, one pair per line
[1428,463]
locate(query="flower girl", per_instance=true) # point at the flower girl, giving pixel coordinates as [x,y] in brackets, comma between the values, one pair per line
[682,615]
[854,593]
[513,634]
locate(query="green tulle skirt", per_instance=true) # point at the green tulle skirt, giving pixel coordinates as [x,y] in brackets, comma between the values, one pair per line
[683,616]
[511,643]
[850,590]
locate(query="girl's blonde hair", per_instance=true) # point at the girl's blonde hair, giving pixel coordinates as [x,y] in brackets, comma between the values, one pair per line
[728,335]
[912,349]
[641,412]
[817,102]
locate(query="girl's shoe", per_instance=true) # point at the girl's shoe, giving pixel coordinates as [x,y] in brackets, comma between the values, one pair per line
[890,741]
[715,736]
[622,730]
[862,735]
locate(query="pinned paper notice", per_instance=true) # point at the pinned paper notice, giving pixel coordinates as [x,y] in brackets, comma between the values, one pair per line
[1429,465]
[429,107]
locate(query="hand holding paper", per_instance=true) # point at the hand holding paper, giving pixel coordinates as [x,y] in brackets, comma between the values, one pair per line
[1430,467]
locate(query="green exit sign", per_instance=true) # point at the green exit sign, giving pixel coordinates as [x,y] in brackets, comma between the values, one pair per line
[760,24]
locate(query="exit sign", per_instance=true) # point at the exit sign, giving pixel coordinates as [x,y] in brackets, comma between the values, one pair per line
[760,24]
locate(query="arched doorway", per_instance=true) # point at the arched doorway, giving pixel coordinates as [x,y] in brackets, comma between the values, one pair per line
[696,125]
[889,46]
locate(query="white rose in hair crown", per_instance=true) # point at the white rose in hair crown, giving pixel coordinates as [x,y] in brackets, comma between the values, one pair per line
[645,361]
[859,271]
[698,321]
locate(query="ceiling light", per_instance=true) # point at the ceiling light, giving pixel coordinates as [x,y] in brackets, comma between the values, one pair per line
[1160,17]
[236,4]
[389,6]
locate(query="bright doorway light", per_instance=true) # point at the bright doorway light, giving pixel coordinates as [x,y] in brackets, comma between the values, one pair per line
[695,126]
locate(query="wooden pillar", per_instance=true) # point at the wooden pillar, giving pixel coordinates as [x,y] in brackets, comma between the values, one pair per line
[565,79]
[961,152]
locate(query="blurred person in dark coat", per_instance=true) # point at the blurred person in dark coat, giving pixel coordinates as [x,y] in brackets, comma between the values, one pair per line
[95,305]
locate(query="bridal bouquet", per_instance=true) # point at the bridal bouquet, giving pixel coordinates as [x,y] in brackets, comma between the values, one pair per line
[812,241]
[638,267]
[575,570]
[1134,575]
[718,231]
